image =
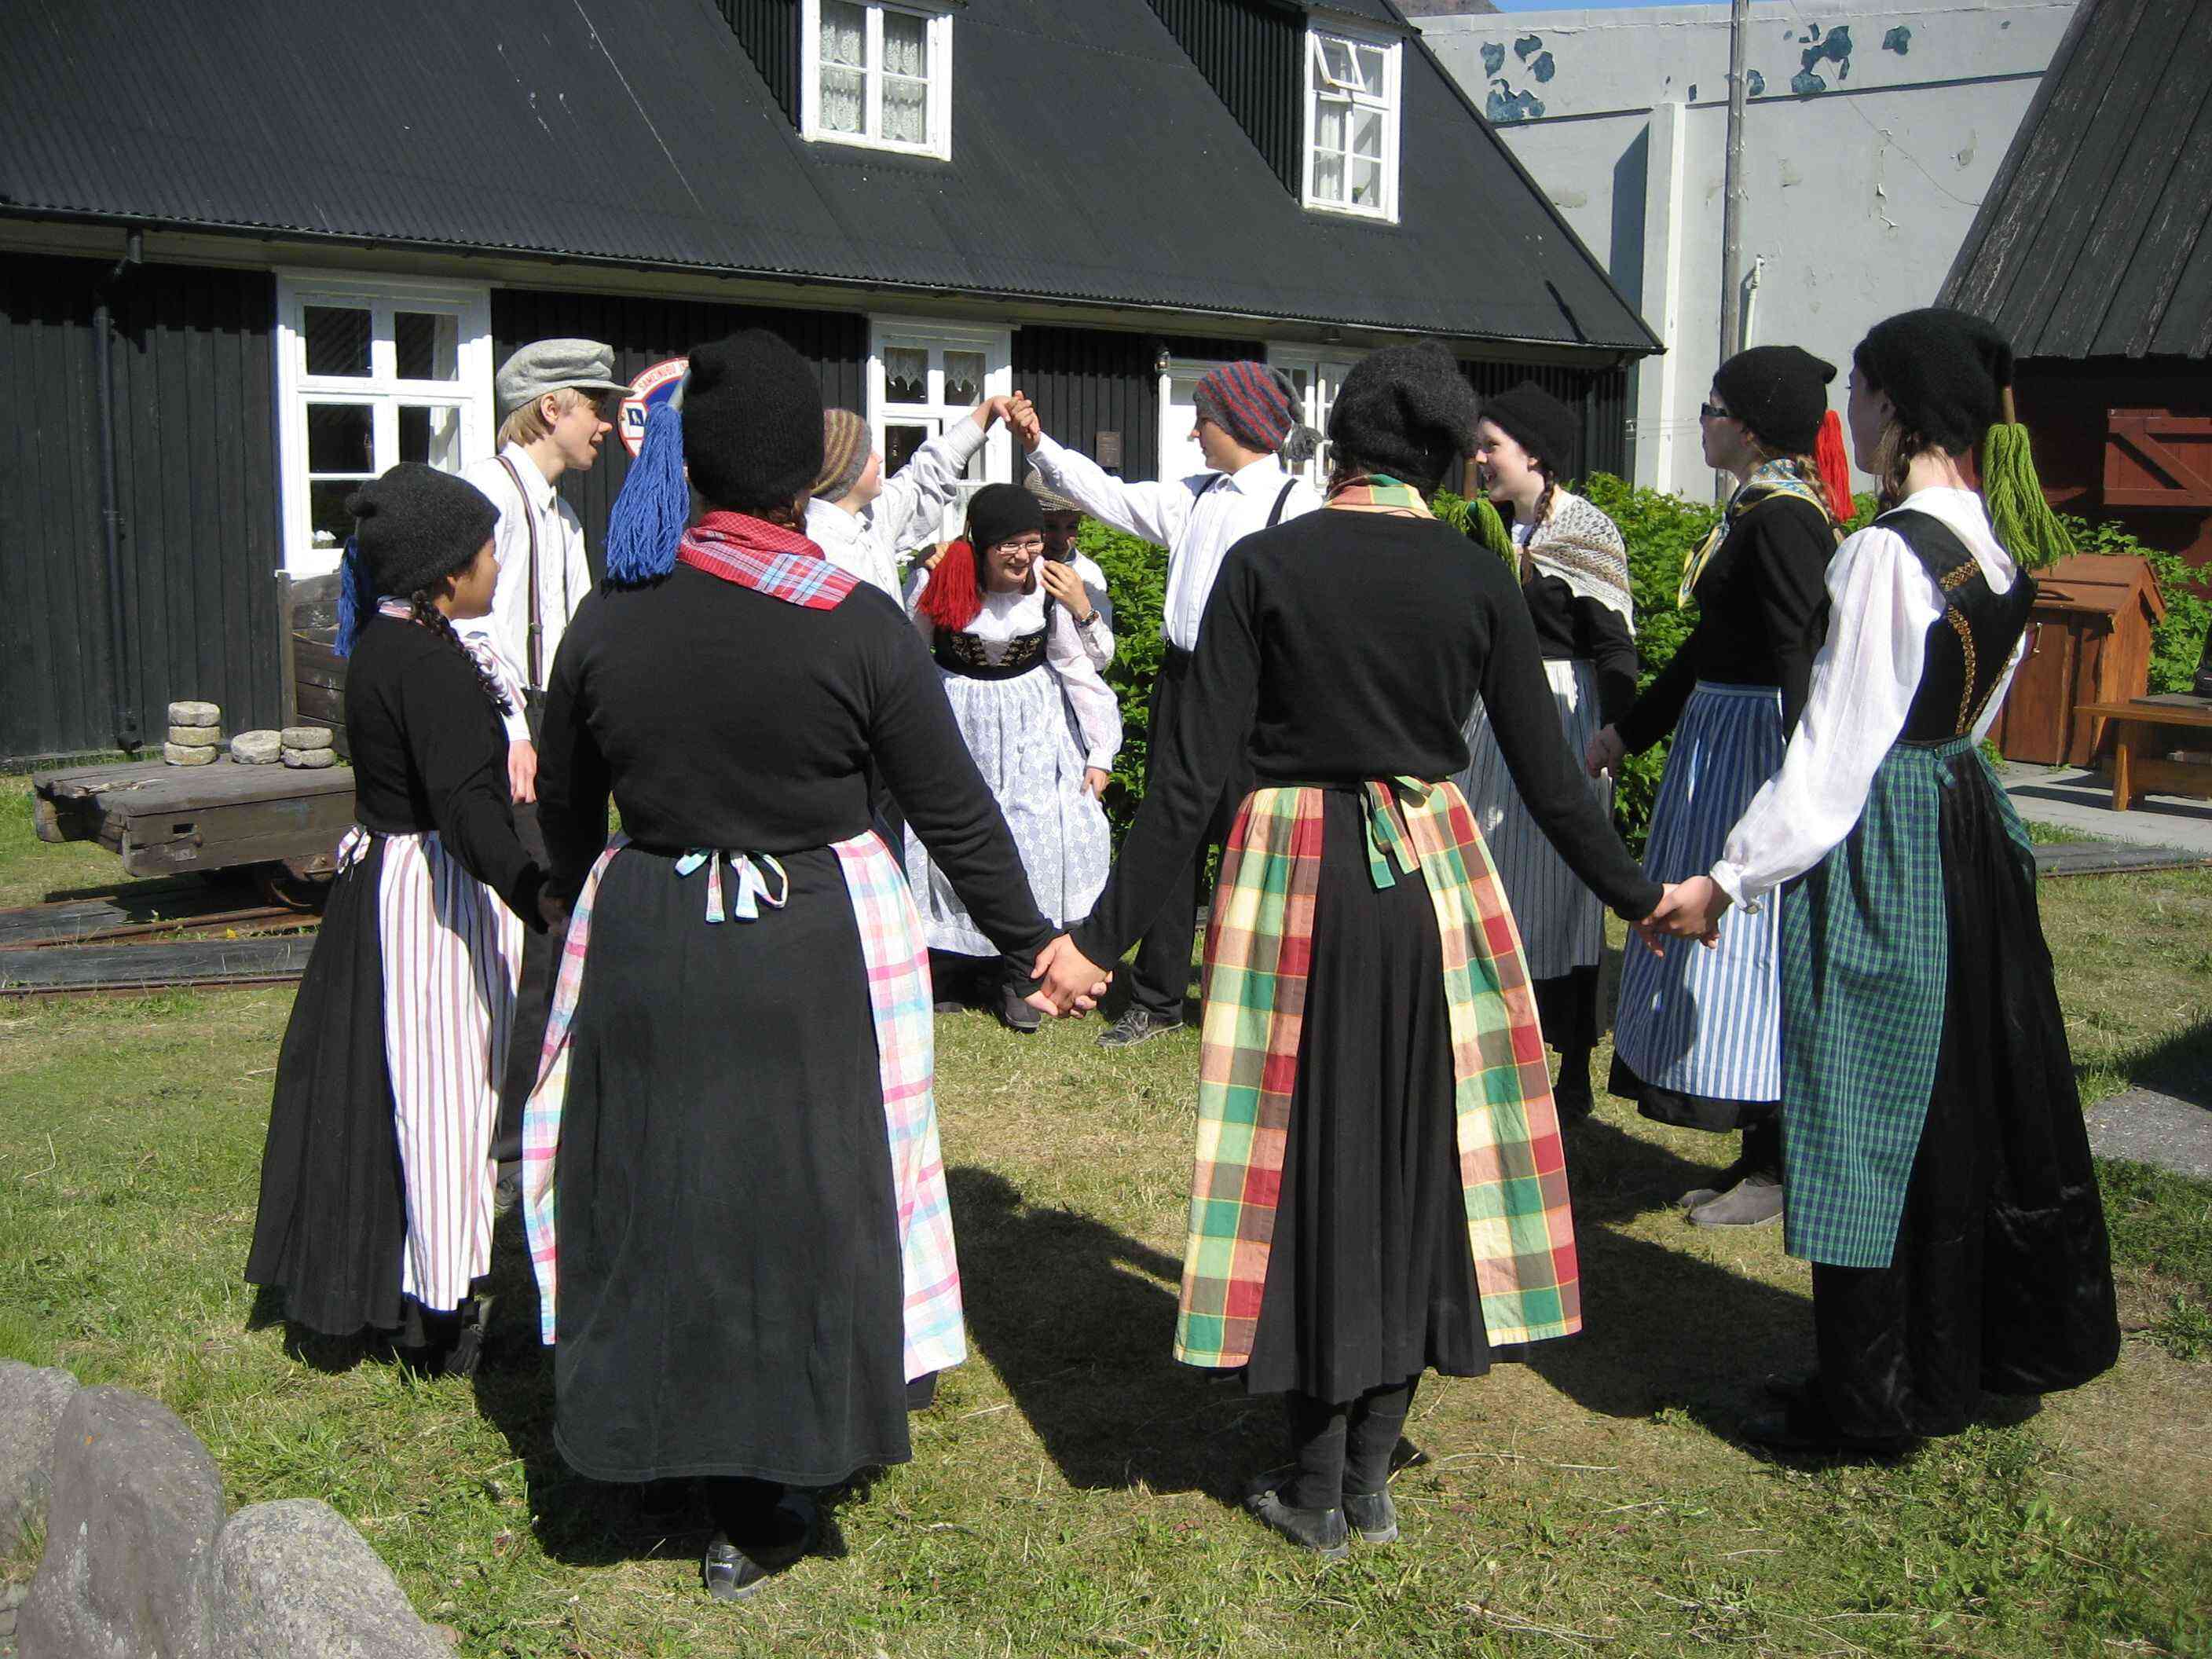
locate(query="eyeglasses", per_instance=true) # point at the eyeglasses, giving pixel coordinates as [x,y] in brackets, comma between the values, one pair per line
[1713,412]
[1022,544]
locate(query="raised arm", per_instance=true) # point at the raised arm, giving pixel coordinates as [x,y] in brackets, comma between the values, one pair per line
[910,511]
[1157,511]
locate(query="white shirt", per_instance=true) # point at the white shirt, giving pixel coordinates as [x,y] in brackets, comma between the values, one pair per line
[908,514]
[563,576]
[1006,617]
[1198,519]
[1864,680]
[1098,634]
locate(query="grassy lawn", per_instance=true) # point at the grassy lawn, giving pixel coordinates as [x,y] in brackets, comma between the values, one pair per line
[1072,1491]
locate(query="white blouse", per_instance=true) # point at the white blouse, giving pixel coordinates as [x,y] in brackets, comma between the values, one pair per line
[1864,679]
[1006,617]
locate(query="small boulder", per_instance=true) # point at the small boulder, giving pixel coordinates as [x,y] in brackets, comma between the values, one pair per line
[292,1578]
[306,737]
[310,759]
[196,736]
[179,754]
[32,1400]
[130,1531]
[195,714]
[256,748]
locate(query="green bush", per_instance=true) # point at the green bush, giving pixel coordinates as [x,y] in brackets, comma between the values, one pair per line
[1136,573]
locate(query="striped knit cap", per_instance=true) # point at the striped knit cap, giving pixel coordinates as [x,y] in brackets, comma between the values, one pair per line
[847,443]
[1255,404]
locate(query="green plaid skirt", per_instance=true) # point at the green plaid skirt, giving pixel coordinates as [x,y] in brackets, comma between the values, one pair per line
[1258,955]
[1865,973]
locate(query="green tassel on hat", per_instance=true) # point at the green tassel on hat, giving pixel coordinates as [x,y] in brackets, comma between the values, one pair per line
[2024,523]
[1484,526]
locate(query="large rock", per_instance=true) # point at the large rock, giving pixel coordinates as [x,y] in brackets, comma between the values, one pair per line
[31,1404]
[292,1581]
[131,1532]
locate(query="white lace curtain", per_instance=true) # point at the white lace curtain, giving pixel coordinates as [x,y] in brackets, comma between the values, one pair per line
[906,78]
[844,66]
[903,72]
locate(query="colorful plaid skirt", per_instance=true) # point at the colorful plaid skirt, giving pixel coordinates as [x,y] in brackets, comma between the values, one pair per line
[1512,1172]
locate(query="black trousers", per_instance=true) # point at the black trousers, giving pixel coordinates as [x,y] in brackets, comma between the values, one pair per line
[1159,978]
[1345,1448]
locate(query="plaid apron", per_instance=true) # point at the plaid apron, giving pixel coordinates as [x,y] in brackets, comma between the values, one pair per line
[897,963]
[1865,972]
[1258,949]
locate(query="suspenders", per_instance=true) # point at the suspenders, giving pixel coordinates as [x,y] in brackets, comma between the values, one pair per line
[537,646]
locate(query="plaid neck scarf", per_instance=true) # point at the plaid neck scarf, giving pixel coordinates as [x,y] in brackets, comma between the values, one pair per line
[1378,490]
[1775,477]
[769,558]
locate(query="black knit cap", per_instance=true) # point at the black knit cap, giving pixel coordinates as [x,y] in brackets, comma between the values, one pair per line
[416,526]
[1405,411]
[1780,392]
[1000,512]
[1538,421]
[1942,369]
[752,422]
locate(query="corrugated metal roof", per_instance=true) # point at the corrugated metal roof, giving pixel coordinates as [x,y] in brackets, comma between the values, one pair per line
[1090,161]
[2095,239]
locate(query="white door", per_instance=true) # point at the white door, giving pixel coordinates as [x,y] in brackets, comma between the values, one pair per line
[1316,379]
[1180,455]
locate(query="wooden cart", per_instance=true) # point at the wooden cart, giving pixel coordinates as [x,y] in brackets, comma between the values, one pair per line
[160,819]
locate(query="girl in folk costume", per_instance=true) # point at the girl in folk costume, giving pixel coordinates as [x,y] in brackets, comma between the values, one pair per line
[730,1173]
[1573,567]
[1697,1037]
[1380,1186]
[1939,1173]
[377,1180]
[1043,727]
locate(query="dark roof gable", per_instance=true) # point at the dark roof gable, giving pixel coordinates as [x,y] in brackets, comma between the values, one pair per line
[1091,162]
[2095,238]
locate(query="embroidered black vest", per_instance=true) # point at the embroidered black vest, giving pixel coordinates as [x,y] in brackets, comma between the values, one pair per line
[968,656]
[1969,643]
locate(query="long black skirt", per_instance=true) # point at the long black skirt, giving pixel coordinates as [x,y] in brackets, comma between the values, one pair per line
[331,1232]
[2001,1276]
[1370,1278]
[731,1298]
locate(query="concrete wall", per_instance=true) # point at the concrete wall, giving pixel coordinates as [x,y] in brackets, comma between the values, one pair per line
[1871,137]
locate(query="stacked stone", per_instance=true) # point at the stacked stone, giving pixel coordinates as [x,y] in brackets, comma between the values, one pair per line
[258,748]
[307,747]
[195,734]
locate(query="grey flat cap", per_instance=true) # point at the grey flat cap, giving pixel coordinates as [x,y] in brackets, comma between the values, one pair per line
[1049,498]
[544,366]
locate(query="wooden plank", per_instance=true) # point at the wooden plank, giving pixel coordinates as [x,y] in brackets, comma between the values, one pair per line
[151,786]
[187,962]
[257,832]
[2125,734]
[2152,712]
[287,591]
[319,705]
[317,663]
[2166,777]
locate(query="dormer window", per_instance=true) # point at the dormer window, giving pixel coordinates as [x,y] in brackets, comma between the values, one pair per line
[1351,124]
[878,75]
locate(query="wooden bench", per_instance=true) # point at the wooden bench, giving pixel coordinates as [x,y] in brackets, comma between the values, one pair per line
[2139,766]
[160,819]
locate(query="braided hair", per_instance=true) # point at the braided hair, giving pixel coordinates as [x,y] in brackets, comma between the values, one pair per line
[1537,520]
[440,624]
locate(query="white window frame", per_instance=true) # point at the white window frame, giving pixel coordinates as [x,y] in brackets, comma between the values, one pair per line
[1324,368]
[470,391]
[1391,106]
[939,22]
[937,337]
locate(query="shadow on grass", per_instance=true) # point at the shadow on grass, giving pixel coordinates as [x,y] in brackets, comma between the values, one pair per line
[1078,1320]
[2180,1065]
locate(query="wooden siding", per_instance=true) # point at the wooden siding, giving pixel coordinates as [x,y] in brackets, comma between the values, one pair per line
[769,31]
[195,482]
[645,331]
[1086,381]
[1252,54]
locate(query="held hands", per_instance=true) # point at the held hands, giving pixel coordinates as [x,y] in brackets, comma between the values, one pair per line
[1022,416]
[992,411]
[1061,582]
[1605,753]
[522,771]
[1072,983]
[1688,910]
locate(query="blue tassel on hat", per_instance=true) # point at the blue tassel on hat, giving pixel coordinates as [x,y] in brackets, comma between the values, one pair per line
[356,603]
[648,517]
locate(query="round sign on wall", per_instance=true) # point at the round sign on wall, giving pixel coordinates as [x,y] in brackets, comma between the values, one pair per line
[653,388]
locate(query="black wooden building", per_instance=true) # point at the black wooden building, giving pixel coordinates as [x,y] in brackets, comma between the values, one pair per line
[250,252]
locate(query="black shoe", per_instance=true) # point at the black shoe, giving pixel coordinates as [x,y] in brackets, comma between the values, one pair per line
[1137,1025]
[1321,1531]
[731,1573]
[922,1392]
[1573,1102]
[467,1352]
[1016,1015]
[1808,1430]
[1794,1390]
[1372,1515]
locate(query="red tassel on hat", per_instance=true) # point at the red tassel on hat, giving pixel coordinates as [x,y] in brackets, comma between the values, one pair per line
[954,598]
[1835,468]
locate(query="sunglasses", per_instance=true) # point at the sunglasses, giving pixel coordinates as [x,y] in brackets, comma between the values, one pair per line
[1713,412]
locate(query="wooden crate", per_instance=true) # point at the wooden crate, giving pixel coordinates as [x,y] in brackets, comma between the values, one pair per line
[2091,640]
[161,819]
[313,672]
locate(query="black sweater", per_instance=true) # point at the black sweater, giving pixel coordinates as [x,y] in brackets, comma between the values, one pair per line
[1762,613]
[719,717]
[430,753]
[1572,625]
[1343,647]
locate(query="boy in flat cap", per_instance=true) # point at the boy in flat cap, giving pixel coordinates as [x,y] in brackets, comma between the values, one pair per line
[551,394]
